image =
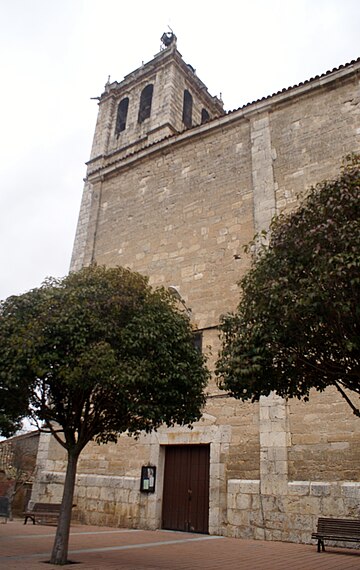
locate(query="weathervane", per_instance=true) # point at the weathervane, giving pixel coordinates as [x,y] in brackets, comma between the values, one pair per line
[167,38]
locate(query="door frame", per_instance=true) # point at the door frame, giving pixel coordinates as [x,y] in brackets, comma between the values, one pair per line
[219,439]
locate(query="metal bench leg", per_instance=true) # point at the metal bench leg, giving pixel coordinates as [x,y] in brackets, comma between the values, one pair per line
[320,545]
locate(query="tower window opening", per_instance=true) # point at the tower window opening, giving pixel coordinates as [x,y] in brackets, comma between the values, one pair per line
[205,117]
[145,103]
[187,109]
[122,115]
[197,338]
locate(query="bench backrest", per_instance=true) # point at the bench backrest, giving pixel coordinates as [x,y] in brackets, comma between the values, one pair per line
[46,507]
[339,527]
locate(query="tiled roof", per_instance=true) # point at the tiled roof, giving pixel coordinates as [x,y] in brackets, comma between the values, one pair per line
[307,81]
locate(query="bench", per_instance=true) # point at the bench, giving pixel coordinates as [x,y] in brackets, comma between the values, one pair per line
[43,512]
[336,529]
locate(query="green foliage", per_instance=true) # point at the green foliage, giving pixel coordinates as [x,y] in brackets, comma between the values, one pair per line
[94,355]
[99,353]
[297,323]
[14,395]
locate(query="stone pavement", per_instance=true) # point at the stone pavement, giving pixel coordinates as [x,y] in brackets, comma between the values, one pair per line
[101,548]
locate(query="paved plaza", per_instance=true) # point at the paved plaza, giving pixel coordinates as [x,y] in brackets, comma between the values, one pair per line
[101,548]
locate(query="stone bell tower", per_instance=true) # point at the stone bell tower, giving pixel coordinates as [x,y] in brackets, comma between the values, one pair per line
[159,99]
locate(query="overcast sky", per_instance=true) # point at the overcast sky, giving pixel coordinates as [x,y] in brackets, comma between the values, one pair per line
[57,54]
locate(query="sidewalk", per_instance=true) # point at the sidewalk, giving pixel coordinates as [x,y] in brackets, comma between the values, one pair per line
[101,548]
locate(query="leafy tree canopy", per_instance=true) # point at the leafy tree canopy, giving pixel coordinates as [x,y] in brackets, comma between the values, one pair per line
[96,354]
[297,324]
[100,350]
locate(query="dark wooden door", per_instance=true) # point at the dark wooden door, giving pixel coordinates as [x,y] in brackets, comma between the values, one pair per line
[186,488]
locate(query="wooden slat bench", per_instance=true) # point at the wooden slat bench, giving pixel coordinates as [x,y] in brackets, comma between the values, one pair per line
[40,512]
[336,529]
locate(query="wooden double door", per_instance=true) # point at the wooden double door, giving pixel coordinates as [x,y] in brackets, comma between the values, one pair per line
[186,488]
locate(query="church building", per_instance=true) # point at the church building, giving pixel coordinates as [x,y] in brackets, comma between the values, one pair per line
[175,187]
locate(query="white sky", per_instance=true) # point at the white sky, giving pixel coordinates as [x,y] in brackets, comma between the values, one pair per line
[56,54]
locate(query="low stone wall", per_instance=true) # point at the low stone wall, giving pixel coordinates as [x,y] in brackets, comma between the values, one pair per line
[113,501]
[244,513]
[99,499]
[291,517]
[117,501]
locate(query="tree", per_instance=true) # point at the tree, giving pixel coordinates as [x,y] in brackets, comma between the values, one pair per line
[297,324]
[14,399]
[99,353]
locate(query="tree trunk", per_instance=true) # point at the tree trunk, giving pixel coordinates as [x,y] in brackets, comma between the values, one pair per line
[11,495]
[61,543]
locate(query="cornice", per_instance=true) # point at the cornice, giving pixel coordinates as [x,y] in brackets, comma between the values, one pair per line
[266,104]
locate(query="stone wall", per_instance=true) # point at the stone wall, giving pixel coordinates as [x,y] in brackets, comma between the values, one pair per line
[180,217]
[290,517]
[325,439]
[180,211]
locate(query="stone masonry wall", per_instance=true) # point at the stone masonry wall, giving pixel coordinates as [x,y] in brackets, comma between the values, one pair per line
[325,439]
[180,217]
[292,516]
[181,212]
[310,136]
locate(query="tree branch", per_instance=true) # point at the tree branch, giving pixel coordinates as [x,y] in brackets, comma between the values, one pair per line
[55,432]
[355,410]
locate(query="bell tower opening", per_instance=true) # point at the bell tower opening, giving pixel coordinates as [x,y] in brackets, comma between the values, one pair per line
[145,103]
[122,115]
